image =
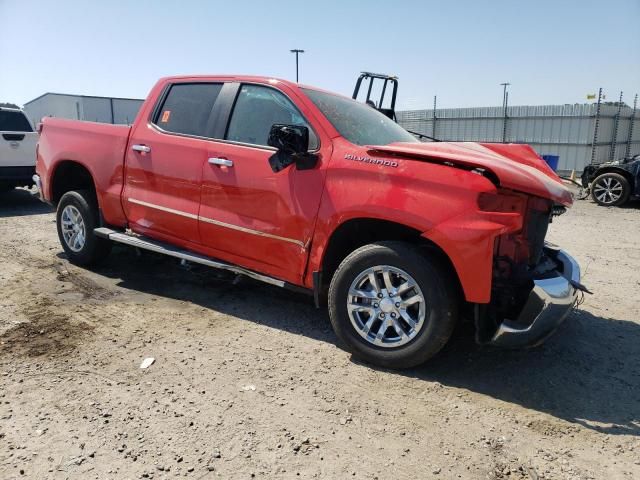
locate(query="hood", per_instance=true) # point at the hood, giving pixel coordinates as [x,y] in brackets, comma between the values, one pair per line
[517,167]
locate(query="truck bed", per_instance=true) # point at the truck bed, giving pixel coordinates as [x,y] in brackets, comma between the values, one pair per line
[100,147]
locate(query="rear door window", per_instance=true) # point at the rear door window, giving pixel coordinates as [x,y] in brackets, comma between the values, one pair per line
[187,109]
[14,121]
[257,109]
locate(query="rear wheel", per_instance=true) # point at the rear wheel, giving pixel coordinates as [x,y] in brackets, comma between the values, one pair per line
[392,305]
[77,216]
[610,189]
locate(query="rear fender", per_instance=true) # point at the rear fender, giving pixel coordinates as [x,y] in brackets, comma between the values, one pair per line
[97,147]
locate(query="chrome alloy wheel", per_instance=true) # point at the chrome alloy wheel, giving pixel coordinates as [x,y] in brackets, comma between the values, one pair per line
[73,228]
[608,190]
[386,306]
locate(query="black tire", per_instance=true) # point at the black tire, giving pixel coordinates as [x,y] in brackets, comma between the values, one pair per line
[438,287]
[614,180]
[94,248]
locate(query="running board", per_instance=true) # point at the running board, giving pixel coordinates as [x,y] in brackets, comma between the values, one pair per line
[139,241]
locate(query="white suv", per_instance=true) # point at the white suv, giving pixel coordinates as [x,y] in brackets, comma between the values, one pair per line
[17,149]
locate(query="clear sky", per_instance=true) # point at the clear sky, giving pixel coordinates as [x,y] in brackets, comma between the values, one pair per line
[551,51]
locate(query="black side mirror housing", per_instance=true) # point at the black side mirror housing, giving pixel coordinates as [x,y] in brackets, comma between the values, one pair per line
[291,139]
[292,142]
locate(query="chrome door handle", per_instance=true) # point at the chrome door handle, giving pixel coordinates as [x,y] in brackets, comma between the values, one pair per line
[141,148]
[221,161]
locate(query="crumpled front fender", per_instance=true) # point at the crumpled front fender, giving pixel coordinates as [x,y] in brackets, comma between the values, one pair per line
[468,241]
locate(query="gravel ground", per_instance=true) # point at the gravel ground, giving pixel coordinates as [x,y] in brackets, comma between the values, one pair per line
[248,380]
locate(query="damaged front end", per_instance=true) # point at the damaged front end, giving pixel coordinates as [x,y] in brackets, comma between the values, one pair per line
[535,285]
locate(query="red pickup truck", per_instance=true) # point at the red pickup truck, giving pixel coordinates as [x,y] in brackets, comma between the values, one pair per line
[310,190]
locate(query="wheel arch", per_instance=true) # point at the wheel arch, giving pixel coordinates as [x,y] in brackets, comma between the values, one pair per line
[620,171]
[70,175]
[357,232]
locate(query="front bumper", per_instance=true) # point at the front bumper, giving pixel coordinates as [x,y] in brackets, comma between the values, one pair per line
[38,184]
[548,305]
[17,175]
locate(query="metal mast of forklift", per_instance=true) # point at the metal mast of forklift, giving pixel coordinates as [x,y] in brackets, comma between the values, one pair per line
[388,80]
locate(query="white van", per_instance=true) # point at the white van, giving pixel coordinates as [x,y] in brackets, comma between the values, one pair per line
[17,149]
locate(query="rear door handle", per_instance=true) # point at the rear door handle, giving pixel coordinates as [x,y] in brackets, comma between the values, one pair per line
[141,148]
[221,161]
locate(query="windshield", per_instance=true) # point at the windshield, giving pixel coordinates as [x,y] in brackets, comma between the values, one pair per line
[357,122]
[14,121]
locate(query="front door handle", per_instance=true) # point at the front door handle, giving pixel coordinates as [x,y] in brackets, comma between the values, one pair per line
[221,161]
[141,148]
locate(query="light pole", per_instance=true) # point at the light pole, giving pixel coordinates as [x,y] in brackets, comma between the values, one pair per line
[297,51]
[505,101]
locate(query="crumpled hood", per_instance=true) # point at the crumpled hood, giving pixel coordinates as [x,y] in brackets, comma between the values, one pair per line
[517,167]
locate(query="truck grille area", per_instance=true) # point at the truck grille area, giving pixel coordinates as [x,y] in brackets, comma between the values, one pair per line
[518,259]
[536,231]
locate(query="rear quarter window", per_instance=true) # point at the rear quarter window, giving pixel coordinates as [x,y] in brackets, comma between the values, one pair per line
[187,107]
[11,121]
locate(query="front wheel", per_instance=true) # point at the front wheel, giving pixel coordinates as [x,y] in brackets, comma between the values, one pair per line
[392,305]
[610,189]
[76,218]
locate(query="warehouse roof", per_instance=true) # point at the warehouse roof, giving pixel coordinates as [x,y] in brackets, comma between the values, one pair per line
[82,96]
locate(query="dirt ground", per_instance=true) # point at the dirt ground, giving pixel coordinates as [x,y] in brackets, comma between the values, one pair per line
[248,381]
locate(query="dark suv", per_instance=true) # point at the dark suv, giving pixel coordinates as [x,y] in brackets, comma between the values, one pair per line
[613,183]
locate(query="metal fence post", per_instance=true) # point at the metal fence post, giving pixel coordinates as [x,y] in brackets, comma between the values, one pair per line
[505,102]
[632,120]
[433,129]
[113,117]
[595,127]
[614,139]
[506,118]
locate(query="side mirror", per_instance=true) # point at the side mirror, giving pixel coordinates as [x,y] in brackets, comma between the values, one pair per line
[291,139]
[292,142]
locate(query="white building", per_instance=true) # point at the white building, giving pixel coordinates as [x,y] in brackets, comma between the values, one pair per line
[568,131]
[83,107]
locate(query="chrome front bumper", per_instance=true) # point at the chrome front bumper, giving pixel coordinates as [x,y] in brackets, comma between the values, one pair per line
[548,305]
